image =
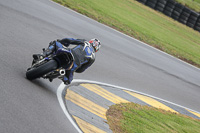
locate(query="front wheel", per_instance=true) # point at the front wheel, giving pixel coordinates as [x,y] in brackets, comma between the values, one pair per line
[38,72]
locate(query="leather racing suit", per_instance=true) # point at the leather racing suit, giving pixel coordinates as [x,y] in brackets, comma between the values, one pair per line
[83,52]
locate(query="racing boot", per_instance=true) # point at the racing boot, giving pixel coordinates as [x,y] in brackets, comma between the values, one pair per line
[50,49]
[37,57]
[45,53]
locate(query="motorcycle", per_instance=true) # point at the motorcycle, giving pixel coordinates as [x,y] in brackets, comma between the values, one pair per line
[51,67]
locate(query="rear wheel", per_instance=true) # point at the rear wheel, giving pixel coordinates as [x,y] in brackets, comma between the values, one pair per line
[38,72]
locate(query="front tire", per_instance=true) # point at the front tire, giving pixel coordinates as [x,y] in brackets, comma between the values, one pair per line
[38,72]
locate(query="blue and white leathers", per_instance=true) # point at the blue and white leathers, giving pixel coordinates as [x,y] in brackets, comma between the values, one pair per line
[83,52]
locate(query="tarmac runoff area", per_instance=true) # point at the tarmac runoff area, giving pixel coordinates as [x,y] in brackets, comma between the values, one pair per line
[85,103]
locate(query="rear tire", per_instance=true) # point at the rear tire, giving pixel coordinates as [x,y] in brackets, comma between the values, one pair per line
[38,72]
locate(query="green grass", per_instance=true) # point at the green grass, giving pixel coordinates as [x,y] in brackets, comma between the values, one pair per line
[143,23]
[192,4]
[135,118]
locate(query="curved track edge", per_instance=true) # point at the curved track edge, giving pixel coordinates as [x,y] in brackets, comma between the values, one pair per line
[61,92]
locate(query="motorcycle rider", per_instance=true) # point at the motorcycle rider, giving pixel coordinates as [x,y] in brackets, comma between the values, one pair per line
[83,52]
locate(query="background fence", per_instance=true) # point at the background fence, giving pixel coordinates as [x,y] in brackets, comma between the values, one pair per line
[176,11]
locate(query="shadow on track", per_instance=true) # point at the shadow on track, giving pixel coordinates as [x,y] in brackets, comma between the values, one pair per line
[43,85]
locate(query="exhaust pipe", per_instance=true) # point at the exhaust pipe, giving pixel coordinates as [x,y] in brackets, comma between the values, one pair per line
[62,72]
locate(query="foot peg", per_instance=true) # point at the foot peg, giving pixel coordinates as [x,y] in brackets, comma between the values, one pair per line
[37,57]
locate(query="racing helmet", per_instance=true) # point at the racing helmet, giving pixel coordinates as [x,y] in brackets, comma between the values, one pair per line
[95,43]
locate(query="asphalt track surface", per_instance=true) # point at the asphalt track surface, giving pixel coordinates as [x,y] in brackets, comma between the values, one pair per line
[27,26]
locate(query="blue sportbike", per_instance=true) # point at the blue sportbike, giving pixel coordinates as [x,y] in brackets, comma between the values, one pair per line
[51,67]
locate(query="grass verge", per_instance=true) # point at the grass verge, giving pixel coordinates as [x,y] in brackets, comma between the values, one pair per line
[143,23]
[135,118]
[192,4]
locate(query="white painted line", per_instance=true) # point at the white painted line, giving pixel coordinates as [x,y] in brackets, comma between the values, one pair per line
[123,88]
[62,87]
[60,97]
